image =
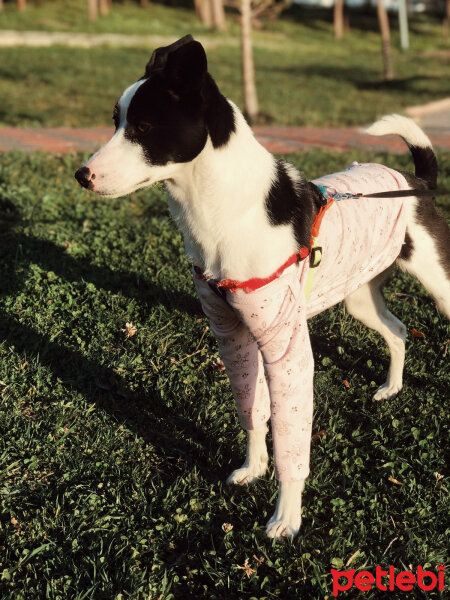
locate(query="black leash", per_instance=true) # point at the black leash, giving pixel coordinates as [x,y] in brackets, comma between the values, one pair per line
[406,194]
[327,194]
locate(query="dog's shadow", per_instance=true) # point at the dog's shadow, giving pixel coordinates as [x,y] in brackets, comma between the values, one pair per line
[144,412]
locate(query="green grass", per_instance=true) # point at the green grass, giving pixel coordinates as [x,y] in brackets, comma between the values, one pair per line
[114,449]
[124,17]
[304,76]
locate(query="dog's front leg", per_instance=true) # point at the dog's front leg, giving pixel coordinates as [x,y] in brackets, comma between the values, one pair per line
[256,458]
[243,362]
[276,317]
[291,398]
[287,518]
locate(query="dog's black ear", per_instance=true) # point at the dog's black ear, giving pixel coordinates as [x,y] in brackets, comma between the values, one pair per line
[186,67]
[159,57]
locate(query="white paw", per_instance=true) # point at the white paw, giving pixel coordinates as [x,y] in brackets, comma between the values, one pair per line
[287,518]
[248,474]
[283,528]
[387,391]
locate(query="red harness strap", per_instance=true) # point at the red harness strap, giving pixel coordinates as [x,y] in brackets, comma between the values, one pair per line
[255,283]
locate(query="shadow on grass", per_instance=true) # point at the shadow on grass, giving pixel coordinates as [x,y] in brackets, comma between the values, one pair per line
[146,414]
[362,19]
[361,78]
[53,258]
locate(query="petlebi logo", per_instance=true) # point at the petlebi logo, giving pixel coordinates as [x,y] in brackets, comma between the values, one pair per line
[388,580]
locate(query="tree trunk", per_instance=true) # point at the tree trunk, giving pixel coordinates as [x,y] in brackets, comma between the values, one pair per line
[144,3]
[248,69]
[21,4]
[385,40]
[218,15]
[338,20]
[103,6]
[346,24]
[1,5]
[403,24]
[92,10]
[203,9]
[446,22]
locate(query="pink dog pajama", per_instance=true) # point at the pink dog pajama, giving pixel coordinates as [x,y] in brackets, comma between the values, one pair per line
[263,335]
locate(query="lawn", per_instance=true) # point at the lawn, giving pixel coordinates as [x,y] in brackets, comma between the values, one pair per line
[116,438]
[124,17]
[304,76]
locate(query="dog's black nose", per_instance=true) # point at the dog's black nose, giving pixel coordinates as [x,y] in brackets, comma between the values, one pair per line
[84,177]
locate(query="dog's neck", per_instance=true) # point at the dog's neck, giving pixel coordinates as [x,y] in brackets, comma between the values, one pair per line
[219,203]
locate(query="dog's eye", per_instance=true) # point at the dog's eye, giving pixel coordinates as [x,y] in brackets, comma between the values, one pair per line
[143,127]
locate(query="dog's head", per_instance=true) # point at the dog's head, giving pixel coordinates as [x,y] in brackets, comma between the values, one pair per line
[162,122]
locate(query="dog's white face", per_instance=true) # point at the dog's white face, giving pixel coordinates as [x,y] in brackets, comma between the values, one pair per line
[160,124]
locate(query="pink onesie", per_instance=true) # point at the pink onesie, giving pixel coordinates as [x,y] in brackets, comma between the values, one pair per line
[263,335]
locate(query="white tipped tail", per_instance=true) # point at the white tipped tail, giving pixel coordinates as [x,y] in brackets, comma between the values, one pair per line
[398,125]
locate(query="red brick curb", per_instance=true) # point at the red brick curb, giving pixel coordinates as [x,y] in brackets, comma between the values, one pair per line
[280,140]
[58,140]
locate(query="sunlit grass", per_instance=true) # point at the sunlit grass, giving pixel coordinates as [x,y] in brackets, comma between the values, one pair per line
[114,448]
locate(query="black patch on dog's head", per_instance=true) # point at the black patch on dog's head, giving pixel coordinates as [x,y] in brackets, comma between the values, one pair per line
[173,111]
[159,57]
[292,202]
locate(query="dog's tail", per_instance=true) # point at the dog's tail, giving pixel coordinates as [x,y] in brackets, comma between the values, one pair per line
[417,141]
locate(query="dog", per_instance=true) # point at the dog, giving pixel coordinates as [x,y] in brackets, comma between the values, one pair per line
[256,230]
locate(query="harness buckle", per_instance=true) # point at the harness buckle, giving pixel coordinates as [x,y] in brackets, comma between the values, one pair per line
[315,257]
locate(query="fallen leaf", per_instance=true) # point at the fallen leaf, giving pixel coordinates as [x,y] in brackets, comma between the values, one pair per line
[129,330]
[395,481]
[227,527]
[346,383]
[14,521]
[352,557]
[417,334]
[246,568]
[319,434]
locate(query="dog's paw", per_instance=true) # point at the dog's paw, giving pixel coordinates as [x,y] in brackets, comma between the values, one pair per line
[286,520]
[387,391]
[248,474]
[284,527]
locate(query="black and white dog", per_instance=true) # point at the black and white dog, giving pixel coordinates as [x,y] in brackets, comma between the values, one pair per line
[242,212]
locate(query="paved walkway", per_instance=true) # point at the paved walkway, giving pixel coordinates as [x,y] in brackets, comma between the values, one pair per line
[10,38]
[280,140]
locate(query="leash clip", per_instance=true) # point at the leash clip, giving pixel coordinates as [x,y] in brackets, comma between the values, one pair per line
[344,195]
[315,257]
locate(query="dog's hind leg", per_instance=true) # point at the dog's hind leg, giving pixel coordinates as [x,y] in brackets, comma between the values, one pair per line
[367,305]
[426,252]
